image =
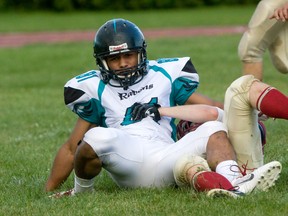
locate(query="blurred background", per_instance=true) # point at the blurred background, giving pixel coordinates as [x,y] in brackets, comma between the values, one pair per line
[34,121]
[70,5]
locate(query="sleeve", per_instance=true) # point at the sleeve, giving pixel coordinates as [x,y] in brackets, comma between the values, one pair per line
[79,99]
[87,108]
[186,84]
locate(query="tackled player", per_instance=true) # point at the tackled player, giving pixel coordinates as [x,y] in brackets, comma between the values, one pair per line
[133,138]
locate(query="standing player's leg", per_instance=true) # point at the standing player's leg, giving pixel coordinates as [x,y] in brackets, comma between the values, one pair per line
[278,50]
[261,32]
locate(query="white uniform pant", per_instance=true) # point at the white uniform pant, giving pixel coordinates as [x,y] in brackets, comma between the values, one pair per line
[134,161]
[242,122]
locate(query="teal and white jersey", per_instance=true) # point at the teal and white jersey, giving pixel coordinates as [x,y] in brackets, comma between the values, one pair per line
[169,82]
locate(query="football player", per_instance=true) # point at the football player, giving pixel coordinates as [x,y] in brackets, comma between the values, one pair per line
[112,133]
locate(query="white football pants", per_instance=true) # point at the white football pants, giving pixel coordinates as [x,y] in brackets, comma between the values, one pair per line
[135,161]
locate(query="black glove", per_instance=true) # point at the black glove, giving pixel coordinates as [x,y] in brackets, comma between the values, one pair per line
[140,111]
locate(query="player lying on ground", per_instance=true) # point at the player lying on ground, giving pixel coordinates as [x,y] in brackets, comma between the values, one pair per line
[124,88]
[242,95]
[141,152]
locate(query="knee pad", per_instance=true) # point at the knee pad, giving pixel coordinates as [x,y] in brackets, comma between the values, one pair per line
[185,163]
[278,50]
[261,32]
[240,85]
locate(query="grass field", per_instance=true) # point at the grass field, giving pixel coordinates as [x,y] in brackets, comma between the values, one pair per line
[34,121]
[43,21]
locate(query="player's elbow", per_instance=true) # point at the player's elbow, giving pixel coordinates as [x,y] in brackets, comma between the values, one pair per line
[215,114]
[210,113]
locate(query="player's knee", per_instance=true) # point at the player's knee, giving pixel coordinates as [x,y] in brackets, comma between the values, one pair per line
[85,152]
[186,167]
[241,84]
[250,49]
[218,137]
[86,162]
[237,94]
[260,34]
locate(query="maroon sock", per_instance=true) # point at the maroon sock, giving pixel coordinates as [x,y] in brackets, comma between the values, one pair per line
[273,103]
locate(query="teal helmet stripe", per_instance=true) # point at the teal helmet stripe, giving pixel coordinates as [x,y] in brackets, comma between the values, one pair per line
[114,25]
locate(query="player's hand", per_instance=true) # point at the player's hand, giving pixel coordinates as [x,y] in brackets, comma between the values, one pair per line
[280,13]
[140,111]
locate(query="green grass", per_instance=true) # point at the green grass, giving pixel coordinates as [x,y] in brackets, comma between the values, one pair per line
[47,21]
[35,122]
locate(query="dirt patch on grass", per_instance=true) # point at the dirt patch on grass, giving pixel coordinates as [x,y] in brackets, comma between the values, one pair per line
[21,39]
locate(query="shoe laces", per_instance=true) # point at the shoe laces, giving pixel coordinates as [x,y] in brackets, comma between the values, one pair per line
[243,169]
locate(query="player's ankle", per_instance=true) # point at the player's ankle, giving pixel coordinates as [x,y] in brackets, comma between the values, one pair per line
[83,185]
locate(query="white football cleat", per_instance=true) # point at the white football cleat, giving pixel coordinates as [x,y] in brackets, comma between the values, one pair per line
[58,195]
[260,179]
[184,164]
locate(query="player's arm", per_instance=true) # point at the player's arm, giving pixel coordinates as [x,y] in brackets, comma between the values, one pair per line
[63,162]
[197,113]
[194,113]
[197,98]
